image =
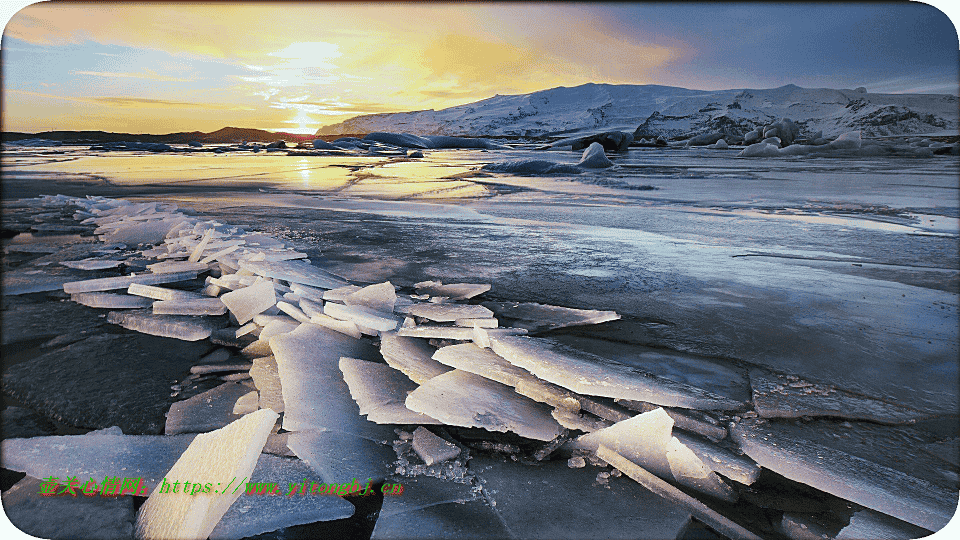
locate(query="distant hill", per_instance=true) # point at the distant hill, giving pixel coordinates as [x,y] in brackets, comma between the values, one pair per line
[672,112]
[224,135]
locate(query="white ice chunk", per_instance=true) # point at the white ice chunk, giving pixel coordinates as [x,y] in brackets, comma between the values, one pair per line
[310,308]
[248,328]
[169,267]
[360,315]
[266,377]
[216,256]
[484,362]
[145,232]
[869,524]
[596,376]
[123,282]
[91,264]
[348,328]
[343,457]
[247,403]
[594,157]
[380,391]
[380,297]
[293,311]
[433,449]
[198,251]
[296,272]
[479,323]
[720,460]
[200,306]
[261,347]
[533,316]
[464,399]
[230,452]
[411,356]
[110,300]
[173,326]
[318,295]
[160,293]
[249,301]
[449,312]
[453,291]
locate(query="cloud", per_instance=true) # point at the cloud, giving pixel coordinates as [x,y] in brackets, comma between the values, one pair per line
[150,76]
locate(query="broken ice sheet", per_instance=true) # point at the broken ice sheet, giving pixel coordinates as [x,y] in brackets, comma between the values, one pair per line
[199,306]
[111,300]
[160,293]
[96,455]
[267,379]
[850,477]
[647,440]
[207,411]
[380,297]
[785,396]
[91,264]
[453,291]
[106,518]
[229,452]
[431,331]
[538,317]
[123,282]
[167,267]
[249,301]
[340,457]
[300,272]
[473,519]
[182,327]
[247,403]
[449,312]
[551,500]
[362,316]
[315,395]
[464,399]
[412,356]
[873,525]
[380,391]
[597,376]
[253,514]
[431,448]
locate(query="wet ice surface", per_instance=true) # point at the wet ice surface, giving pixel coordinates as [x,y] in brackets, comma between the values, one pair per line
[840,272]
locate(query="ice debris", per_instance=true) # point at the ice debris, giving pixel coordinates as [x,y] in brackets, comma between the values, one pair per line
[432,449]
[380,391]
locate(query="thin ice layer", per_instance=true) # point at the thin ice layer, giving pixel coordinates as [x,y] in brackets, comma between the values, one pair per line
[850,477]
[247,302]
[597,376]
[173,326]
[453,291]
[160,293]
[647,440]
[228,453]
[111,300]
[300,272]
[96,455]
[361,315]
[431,331]
[123,282]
[266,377]
[199,306]
[380,391]
[449,312]
[538,317]
[315,395]
[380,297]
[412,356]
[254,514]
[207,411]
[464,399]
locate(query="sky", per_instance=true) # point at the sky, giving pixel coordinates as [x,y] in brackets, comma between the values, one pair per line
[158,67]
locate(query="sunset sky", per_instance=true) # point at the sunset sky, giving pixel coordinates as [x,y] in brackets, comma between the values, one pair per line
[166,67]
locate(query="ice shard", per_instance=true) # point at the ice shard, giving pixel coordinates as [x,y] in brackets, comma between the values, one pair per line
[347,328]
[160,293]
[207,411]
[341,457]
[453,291]
[867,524]
[360,315]
[110,300]
[412,356]
[464,399]
[380,297]
[431,448]
[538,317]
[170,267]
[247,403]
[593,375]
[230,452]
[174,326]
[647,440]
[253,514]
[295,272]
[91,264]
[123,282]
[721,460]
[380,391]
[266,377]
[449,312]
[249,301]
[199,306]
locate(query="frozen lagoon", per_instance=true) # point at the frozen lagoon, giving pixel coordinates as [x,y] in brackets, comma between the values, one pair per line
[841,271]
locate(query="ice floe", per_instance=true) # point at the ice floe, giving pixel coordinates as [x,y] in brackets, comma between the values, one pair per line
[380,392]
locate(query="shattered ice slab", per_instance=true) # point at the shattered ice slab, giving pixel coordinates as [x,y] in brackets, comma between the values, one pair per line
[261,347]
[593,375]
[247,403]
[347,328]
[315,395]
[702,512]
[199,306]
[431,448]
[380,391]
[230,452]
[145,232]
[484,362]
[464,399]
[453,291]
[160,293]
[111,300]
[173,326]
[380,297]
[266,377]
[361,315]
[538,317]
[341,457]
[169,267]
[449,312]
[254,514]
[91,264]
[97,454]
[250,301]
[430,331]
[648,441]
[207,411]
[295,272]
[96,518]
[786,396]
[855,479]
[472,519]
[551,500]
[721,460]
[411,356]
[123,282]
[867,524]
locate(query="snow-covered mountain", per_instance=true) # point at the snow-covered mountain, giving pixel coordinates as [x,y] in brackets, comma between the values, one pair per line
[672,112]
